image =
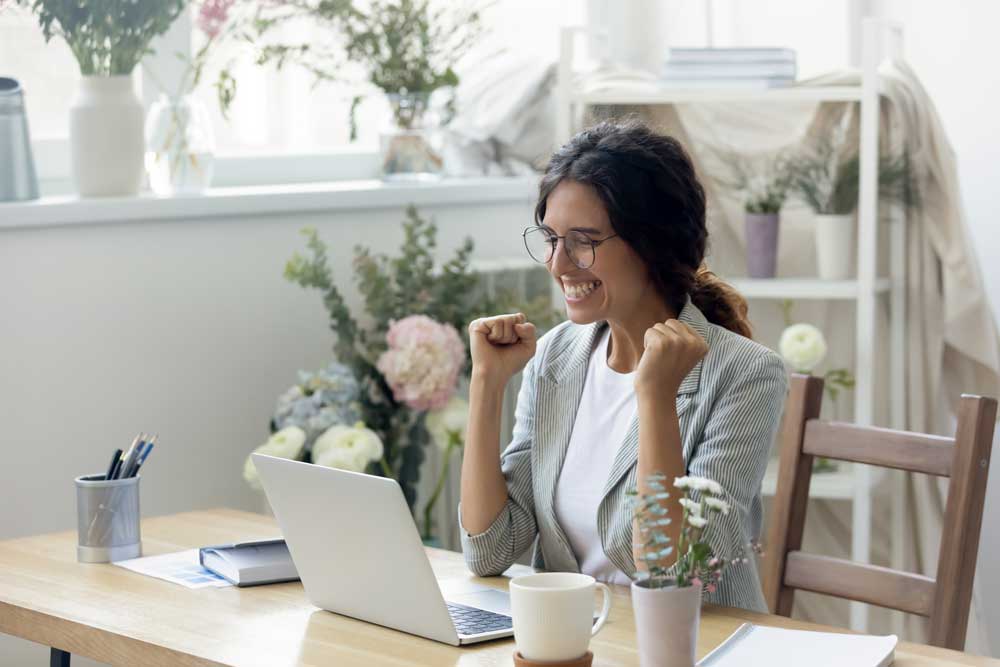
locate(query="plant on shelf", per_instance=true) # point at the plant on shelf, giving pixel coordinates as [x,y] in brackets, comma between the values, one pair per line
[667,591]
[763,183]
[407,49]
[399,371]
[827,178]
[803,348]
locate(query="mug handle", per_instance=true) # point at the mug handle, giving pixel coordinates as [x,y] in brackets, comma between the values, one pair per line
[605,608]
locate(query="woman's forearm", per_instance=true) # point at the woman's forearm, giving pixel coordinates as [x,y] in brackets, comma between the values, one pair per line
[660,452]
[484,489]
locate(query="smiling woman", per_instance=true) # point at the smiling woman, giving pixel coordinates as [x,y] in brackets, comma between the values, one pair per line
[654,373]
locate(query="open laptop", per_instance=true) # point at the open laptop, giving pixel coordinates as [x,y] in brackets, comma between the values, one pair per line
[358,552]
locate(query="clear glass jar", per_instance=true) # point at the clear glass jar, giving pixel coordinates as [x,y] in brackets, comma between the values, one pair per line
[408,141]
[180,146]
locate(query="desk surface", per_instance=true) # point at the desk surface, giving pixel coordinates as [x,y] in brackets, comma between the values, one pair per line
[120,617]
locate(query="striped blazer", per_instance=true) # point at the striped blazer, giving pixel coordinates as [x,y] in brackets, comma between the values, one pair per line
[729,407]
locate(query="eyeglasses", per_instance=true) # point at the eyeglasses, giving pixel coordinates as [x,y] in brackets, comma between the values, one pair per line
[541,245]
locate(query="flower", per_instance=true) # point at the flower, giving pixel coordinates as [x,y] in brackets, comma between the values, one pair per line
[803,347]
[423,361]
[449,422]
[691,506]
[320,400]
[697,521]
[212,15]
[347,447]
[286,443]
[717,504]
[695,483]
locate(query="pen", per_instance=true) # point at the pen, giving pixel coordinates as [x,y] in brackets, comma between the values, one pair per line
[114,462]
[142,458]
[130,456]
[141,452]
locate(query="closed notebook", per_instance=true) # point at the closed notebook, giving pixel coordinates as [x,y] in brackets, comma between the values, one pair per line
[250,563]
[780,647]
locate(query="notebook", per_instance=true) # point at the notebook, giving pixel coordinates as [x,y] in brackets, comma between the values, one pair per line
[779,647]
[250,563]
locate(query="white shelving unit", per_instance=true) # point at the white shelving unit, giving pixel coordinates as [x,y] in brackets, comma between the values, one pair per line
[880,39]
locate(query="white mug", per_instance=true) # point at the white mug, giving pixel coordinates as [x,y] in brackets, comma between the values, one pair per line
[553,614]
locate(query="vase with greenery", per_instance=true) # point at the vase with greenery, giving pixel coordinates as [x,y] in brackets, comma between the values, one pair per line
[763,183]
[407,49]
[398,368]
[827,178]
[667,590]
[108,38]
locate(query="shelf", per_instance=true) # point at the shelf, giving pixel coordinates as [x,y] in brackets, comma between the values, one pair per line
[677,95]
[836,485]
[802,288]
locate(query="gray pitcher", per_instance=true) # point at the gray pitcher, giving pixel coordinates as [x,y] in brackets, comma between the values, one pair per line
[17,168]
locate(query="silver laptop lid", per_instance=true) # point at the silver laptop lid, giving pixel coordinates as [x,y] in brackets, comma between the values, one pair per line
[355,546]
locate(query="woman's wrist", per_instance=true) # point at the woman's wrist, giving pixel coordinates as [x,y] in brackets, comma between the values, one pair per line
[488,380]
[655,393]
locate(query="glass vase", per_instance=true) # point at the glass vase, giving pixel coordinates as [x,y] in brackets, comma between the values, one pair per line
[180,146]
[408,142]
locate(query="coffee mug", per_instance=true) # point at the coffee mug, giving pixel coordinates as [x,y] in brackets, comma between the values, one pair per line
[553,614]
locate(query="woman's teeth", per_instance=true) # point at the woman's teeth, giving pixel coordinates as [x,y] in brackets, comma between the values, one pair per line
[580,290]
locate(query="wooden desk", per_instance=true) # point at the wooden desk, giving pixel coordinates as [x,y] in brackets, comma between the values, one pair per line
[123,618]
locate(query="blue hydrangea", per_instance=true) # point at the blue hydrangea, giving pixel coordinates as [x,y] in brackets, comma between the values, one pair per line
[320,400]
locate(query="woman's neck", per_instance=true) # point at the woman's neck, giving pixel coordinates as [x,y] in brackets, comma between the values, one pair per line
[627,334]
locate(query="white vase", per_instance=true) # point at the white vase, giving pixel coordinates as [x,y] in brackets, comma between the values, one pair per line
[666,624]
[105,136]
[835,240]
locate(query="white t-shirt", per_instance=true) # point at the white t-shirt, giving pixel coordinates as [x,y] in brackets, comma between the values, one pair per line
[606,409]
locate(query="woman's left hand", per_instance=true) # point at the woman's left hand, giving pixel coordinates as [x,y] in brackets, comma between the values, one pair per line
[672,349]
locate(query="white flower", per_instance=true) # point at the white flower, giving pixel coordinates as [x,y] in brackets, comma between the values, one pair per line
[697,521]
[698,484]
[691,506]
[803,347]
[451,420]
[347,447]
[717,504]
[286,443]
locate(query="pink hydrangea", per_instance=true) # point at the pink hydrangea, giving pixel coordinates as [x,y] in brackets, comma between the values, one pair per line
[423,361]
[212,15]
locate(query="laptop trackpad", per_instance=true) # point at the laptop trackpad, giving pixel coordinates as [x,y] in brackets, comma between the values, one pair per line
[491,600]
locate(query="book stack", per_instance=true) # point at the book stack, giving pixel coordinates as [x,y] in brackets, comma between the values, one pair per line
[752,68]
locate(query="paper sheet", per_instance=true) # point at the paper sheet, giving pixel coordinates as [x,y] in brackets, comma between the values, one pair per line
[181,568]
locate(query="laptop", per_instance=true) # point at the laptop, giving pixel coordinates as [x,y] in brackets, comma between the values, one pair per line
[358,553]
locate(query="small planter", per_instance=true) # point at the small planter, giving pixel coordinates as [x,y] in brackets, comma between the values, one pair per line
[762,244]
[835,241]
[408,153]
[105,137]
[666,624]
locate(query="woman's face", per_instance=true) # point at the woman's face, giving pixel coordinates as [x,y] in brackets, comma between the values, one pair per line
[615,285]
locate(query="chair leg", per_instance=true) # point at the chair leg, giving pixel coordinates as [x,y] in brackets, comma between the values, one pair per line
[59,658]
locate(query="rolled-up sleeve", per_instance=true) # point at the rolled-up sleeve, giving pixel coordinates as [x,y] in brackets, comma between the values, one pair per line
[513,531]
[734,452]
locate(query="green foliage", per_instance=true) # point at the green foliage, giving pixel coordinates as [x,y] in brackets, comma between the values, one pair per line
[763,181]
[107,37]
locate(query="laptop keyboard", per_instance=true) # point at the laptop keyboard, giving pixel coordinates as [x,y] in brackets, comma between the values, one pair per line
[472,621]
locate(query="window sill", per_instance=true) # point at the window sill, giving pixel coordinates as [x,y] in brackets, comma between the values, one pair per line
[266,200]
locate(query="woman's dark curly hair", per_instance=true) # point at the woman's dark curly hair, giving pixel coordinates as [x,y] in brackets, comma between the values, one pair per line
[656,204]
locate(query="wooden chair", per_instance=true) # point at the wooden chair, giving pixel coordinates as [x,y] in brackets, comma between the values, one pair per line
[965,459]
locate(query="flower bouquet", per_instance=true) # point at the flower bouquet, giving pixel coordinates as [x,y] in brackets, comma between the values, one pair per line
[399,373]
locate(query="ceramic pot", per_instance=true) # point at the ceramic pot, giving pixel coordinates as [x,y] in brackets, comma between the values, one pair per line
[666,624]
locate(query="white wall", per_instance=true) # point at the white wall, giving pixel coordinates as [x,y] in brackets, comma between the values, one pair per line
[186,328]
[952,46]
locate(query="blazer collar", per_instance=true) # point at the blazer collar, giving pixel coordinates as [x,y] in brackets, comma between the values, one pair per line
[568,360]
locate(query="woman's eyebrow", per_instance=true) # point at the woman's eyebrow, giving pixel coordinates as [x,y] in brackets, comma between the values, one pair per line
[588,230]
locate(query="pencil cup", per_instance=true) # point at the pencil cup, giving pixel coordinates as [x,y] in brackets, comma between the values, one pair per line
[107,519]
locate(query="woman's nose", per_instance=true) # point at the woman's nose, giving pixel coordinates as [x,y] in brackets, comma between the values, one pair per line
[560,263]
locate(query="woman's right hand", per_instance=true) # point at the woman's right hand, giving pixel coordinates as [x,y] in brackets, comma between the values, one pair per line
[501,346]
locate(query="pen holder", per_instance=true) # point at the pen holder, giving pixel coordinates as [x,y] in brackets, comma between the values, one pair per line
[107,519]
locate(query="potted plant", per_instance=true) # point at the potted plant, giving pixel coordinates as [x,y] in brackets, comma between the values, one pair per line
[666,595]
[826,177]
[108,39]
[407,49]
[763,183]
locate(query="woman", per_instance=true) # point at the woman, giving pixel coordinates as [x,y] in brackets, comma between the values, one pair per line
[653,373]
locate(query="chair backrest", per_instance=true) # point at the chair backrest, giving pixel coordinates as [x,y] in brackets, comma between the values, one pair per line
[945,599]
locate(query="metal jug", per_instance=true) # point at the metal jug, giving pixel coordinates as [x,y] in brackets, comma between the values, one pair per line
[17,168]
